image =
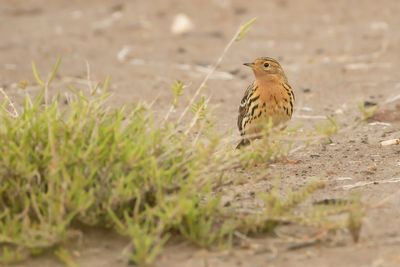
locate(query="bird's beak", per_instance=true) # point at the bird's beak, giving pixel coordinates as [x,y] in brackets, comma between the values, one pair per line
[251,65]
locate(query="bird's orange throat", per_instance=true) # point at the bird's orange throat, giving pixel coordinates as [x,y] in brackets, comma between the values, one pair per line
[270,86]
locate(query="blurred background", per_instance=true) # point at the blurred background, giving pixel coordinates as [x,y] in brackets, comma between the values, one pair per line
[335,53]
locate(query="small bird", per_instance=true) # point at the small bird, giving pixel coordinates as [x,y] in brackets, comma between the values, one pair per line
[268,98]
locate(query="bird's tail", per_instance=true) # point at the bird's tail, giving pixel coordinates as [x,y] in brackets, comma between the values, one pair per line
[243,142]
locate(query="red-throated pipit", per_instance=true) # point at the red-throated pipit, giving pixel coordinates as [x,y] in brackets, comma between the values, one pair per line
[268,98]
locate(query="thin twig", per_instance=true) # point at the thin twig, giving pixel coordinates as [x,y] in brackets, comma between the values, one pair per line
[10,103]
[172,108]
[316,117]
[197,116]
[212,70]
[394,98]
[89,81]
[361,184]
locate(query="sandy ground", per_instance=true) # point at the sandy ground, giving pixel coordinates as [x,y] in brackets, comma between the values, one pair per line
[336,54]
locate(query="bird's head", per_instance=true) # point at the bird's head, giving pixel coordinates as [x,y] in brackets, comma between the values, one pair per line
[263,66]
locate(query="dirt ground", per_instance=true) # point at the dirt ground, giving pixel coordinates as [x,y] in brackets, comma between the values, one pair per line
[336,54]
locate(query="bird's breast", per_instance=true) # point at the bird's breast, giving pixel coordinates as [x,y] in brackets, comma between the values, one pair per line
[274,101]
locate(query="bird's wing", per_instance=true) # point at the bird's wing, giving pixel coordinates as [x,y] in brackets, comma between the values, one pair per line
[290,93]
[244,106]
[289,89]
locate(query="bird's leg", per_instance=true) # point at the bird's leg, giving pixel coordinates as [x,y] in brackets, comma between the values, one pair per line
[243,142]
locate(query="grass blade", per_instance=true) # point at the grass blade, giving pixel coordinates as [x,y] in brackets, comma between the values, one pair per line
[244,28]
[36,75]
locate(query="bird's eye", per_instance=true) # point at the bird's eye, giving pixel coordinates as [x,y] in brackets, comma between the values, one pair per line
[266,65]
